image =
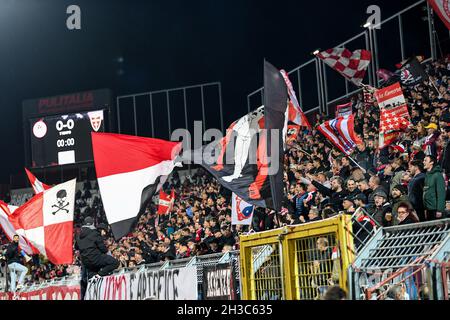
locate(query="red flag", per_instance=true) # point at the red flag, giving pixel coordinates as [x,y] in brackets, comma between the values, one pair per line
[46,222]
[394,115]
[165,204]
[351,65]
[37,185]
[8,228]
[442,8]
[296,114]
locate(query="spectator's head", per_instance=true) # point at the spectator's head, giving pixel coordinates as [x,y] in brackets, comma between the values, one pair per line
[363,185]
[88,221]
[351,185]
[431,128]
[374,182]
[360,200]
[313,213]
[322,244]
[227,248]
[348,203]
[380,198]
[16,238]
[429,163]
[398,191]
[415,167]
[336,184]
[335,293]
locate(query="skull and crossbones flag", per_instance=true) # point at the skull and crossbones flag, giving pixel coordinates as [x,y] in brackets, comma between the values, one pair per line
[46,222]
[130,170]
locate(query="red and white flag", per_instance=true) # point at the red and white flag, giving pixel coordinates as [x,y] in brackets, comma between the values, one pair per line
[341,133]
[9,230]
[46,222]
[442,8]
[352,65]
[37,185]
[242,212]
[296,114]
[394,115]
[165,204]
[130,170]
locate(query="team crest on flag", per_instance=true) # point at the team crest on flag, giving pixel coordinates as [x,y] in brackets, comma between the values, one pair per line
[96,119]
[242,212]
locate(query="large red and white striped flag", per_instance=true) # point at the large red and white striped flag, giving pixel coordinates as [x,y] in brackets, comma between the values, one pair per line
[37,185]
[130,170]
[341,133]
[9,230]
[352,65]
[442,8]
[46,222]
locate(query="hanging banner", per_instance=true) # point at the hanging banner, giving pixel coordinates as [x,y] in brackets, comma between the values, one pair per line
[49,293]
[219,282]
[144,284]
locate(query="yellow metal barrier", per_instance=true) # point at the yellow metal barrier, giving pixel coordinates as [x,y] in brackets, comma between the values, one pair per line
[296,262]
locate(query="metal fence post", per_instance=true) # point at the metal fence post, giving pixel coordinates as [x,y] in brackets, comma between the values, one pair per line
[118,114]
[400,29]
[431,31]
[135,116]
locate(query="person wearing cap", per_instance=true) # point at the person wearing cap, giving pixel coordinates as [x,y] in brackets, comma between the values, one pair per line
[429,144]
[434,189]
[399,196]
[382,211]
[415,187]
[93,251]
[349,205]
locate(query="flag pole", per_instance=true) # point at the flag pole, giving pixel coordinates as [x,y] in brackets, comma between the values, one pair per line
[364,170]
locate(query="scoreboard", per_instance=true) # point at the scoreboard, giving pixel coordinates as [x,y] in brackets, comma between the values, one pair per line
[64,139]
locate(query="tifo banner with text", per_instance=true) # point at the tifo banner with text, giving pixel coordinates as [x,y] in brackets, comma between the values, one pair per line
[49,293]
[219,282]
[144,284]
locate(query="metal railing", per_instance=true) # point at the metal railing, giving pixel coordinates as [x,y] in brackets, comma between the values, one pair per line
[404,255]
[175,103]
[329,89]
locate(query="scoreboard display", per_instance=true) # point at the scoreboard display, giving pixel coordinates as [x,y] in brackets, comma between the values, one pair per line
[64,139]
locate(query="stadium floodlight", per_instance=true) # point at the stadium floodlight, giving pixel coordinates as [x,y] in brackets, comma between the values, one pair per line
[316,52]
[367,24]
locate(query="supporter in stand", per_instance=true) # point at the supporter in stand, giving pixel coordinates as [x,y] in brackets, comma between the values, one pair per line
[202,206]
[14,257]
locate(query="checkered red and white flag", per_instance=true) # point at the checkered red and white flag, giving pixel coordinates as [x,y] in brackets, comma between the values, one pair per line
[46,222]
[352,65]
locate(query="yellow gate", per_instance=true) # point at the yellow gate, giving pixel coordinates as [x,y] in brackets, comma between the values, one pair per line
[296,262]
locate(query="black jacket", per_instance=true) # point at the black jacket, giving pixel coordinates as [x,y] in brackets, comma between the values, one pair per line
[91,246]
[446,159]
[336,198]
[13,253]
[415,194]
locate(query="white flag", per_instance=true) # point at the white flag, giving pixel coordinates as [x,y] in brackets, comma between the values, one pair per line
[242,212]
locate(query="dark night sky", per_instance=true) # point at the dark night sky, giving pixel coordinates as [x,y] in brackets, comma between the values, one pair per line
[164,43]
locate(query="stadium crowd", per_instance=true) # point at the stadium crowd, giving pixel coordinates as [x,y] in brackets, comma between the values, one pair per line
[401,184]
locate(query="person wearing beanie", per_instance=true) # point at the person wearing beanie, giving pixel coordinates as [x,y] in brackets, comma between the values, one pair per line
[399,197]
